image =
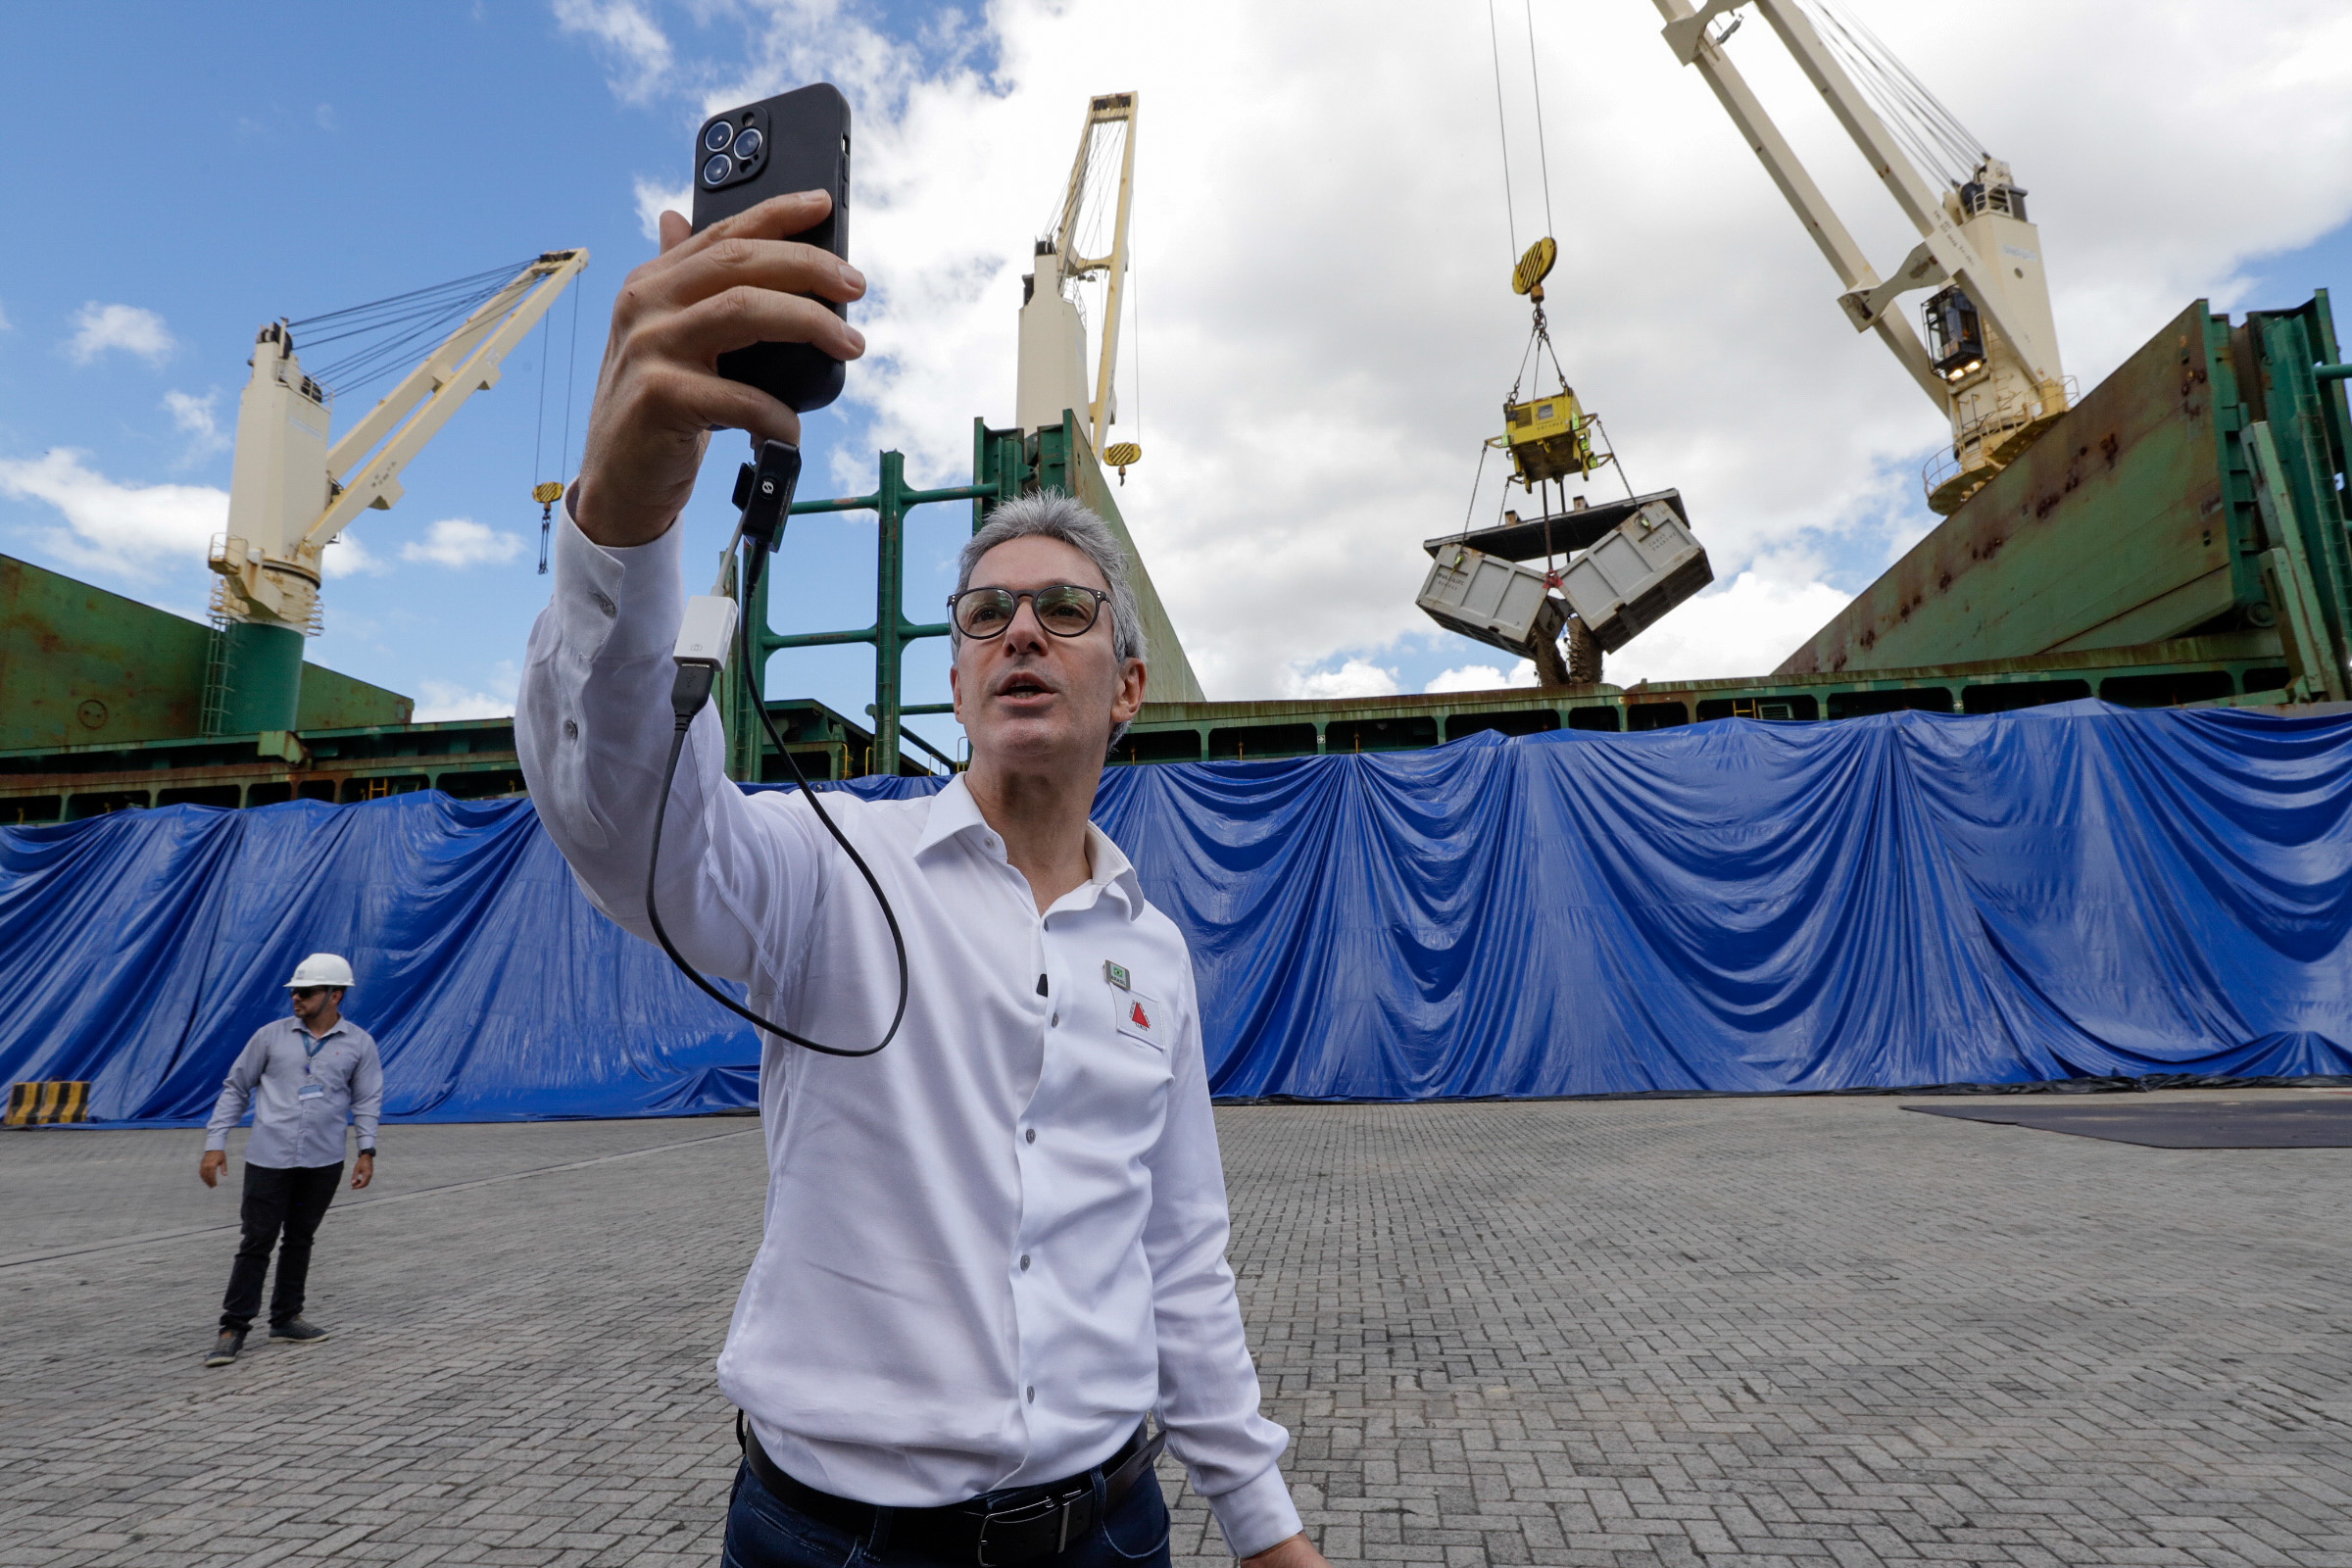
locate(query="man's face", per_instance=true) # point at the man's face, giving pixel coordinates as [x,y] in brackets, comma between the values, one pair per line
[1029,697]
[311,1003]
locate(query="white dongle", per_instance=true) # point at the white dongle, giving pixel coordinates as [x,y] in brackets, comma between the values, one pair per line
[709,631]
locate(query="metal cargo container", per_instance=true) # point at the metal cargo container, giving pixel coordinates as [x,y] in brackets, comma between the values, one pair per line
[1635,573]
[1498,601]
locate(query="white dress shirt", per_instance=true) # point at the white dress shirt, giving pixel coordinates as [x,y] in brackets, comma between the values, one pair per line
[993,1247]
[304,1089]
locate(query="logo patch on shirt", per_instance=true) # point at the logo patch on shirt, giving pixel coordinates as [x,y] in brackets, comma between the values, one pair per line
[1137,1016]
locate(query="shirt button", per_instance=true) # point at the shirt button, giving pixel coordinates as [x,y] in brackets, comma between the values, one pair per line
[1057,1020]
[1033,1135]
[1032,1393]
[604,604]
[572,729]
[1024,1263]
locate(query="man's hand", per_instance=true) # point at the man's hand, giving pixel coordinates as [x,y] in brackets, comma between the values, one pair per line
[659,394]
[209,1169]
[362,1169]
[1296,1552]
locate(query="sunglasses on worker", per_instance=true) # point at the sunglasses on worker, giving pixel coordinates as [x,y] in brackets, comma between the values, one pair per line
[1067,609]
[308,992]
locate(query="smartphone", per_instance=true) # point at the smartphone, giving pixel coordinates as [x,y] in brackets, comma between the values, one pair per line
[798,141]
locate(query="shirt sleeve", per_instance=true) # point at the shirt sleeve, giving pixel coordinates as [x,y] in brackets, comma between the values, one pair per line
[236,1090]
[367,1095]
[593,728]
[1208,1393]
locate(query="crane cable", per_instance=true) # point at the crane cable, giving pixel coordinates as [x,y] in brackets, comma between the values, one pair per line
[1929,131]
[548,492]
[383,332]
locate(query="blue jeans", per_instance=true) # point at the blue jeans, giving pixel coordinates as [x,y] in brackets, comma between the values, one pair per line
[763,1531]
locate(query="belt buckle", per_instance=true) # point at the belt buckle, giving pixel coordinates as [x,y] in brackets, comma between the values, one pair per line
[1029,1513]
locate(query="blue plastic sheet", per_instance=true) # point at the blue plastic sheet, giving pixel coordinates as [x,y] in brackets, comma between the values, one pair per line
[1736,907]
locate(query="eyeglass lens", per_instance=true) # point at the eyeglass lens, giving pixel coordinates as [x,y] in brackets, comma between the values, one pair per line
[1064,610]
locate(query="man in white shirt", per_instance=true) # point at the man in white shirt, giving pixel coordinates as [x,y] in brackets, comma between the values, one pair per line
[306,1077]
[997,1248]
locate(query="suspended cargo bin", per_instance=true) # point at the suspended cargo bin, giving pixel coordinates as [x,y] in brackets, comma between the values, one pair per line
[1500,603]
[1632,576]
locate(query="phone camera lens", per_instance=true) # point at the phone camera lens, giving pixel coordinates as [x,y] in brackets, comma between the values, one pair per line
[717,135]
[747,145]
[716,171]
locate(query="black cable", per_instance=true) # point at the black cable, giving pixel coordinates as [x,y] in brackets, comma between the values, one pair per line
[687,695]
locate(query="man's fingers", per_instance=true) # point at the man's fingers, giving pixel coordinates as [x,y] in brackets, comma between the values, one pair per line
[787,266]
[777,218]
[716,403]
[674,231]
[738,317]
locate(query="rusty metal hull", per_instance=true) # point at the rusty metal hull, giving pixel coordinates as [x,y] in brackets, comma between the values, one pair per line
[83,666]
[2114,529]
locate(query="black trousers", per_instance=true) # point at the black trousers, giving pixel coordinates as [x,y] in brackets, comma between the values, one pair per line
[291,1202]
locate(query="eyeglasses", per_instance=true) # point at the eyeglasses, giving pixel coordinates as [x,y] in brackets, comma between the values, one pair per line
[1067,609]
[308,992]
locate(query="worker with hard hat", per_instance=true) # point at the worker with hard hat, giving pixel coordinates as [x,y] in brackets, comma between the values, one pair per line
[307,1076]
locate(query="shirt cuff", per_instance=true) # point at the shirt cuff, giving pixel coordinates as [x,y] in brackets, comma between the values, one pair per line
[216,1141]
[623,600]
[1257,1515]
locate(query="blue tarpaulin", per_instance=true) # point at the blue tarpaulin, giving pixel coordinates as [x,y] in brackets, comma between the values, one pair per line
[2068,892]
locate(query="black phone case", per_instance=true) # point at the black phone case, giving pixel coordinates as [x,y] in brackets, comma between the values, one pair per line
[804,145]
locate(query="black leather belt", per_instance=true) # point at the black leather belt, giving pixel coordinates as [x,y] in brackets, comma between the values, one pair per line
[992,1531]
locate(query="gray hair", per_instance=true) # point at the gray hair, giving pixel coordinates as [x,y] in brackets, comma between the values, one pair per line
[1051,515]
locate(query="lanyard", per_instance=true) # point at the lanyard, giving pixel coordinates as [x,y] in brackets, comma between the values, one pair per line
[310,1047]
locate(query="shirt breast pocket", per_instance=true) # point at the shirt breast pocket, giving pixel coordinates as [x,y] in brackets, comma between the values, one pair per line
[1138,1018]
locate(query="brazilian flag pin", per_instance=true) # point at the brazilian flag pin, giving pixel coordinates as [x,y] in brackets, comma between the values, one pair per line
[1116,975]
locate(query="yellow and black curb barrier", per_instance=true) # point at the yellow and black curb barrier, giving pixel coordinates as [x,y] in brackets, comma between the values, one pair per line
[37,1104]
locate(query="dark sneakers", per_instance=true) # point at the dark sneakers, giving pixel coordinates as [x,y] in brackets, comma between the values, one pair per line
[226,1348]
[297,1332]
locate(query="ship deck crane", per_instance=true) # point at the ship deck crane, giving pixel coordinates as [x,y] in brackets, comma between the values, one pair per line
[1053,343]
[292,491]
[1990,361]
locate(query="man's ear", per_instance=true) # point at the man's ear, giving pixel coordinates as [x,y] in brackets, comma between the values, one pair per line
[1133,679]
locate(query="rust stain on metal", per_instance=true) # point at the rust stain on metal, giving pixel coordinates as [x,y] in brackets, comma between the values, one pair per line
[2099,518]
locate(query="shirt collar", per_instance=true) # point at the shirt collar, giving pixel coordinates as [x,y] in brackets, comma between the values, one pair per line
[955,815]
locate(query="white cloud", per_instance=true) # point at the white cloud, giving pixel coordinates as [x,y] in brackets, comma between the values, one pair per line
[653,199]
[639,51]
[1358,677]
[346,556]
[130,328]
[197,419]
[1325,323]
[324,115]
[144,531]
[461,542]
[6,325]
[440,700]
[1482,678]
[1742,627]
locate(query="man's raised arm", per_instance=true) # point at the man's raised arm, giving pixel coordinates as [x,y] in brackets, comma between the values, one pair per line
[593,721]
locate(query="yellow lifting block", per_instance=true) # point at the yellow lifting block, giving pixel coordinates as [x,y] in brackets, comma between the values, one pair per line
[1550,437]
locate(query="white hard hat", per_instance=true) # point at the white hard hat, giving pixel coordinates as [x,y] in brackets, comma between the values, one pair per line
[321,970]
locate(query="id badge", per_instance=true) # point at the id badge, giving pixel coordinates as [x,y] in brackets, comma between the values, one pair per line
[312,1090]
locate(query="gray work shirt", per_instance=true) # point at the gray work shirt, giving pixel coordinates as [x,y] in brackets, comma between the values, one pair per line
[302,1090]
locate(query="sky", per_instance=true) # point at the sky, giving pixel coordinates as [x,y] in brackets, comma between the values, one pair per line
[1320,332]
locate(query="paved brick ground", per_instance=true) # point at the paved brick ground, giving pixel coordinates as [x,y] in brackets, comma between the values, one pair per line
[1813,1333]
